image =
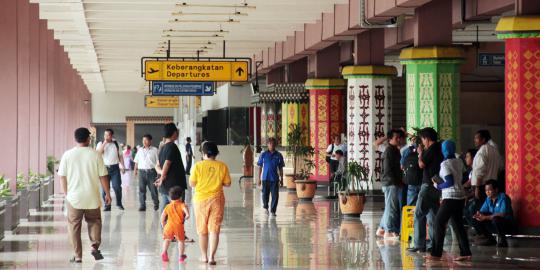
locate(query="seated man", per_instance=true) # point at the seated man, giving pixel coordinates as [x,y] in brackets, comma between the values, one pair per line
[342,165]
[495,216]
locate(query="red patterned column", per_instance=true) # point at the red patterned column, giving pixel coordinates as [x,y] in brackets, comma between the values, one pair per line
[326,119]
[522,102]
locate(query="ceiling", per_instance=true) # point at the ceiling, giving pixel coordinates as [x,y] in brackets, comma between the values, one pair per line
[105,39]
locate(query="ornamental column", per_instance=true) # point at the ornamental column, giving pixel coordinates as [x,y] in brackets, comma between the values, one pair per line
[326,120]
[293,113]
[369,90]
[522,104]
[433,79]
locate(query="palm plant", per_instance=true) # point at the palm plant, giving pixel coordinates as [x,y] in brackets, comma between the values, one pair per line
[22,182]
[5,190]
[51,162]
[355,179]
[300,150]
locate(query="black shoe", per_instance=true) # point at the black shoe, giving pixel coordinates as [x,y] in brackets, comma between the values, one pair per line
[416,250]
[142,209]
[107,208]
[121,207]
[156,207]
[97,255]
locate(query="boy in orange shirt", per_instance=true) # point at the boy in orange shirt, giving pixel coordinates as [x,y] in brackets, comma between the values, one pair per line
[172,221]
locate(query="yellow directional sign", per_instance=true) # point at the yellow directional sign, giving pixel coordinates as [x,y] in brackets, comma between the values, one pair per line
[209,71]
[161,102]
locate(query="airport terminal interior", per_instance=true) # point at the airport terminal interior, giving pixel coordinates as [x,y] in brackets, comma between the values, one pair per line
[297,134]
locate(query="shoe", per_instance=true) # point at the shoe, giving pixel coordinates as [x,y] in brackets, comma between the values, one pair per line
[142,209]
[107,208]
[274,214]
[182,258]
[380,232]
[121,207]
[165,257]
[416,250]
[502,243]
[390,235]
[486,242]
[156,207]
[266,211]
[97,254]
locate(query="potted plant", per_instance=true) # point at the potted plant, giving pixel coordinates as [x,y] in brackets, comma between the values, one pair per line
[11,215]
[22,190]
[33,191]
[305,188]
[352,187]
[298,150]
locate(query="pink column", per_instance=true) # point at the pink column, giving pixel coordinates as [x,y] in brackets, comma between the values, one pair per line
[52,63]
[34,89]
[43,81]
[23,85]
[8,77]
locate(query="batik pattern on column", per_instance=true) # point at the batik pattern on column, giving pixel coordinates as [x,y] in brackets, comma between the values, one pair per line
[264,121]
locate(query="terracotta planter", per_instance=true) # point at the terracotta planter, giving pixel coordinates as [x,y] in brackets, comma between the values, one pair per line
[289,181]
[351,229]
[305,189]
[352,204]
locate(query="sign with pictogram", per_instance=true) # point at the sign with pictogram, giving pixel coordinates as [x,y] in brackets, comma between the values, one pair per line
[162,88]
[161,101]
[209,71]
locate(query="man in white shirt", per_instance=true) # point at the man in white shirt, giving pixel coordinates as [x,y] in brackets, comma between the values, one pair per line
[145,163]
[331,153]
[487,163]
[114,162]
[82,172]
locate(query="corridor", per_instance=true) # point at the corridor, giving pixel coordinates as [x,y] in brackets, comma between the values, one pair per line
[303,236]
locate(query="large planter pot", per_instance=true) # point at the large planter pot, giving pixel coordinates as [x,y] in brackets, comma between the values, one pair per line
[24,203]
[305,189]
[33,197]
[351,204]
[11,216]
[2,217]
[51,186]
[44,191]
[289,181]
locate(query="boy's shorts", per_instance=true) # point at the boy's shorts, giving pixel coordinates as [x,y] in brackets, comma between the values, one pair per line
[209,214]
[178,233]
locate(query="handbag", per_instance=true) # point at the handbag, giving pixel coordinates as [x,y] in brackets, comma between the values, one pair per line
[328,158]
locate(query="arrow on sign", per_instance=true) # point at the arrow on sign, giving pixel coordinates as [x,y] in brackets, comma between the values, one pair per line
[239,71]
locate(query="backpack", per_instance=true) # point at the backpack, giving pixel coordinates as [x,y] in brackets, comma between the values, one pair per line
[413,173]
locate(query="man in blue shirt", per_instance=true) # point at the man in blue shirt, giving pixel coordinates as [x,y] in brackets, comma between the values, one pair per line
[495,216]
[272,165]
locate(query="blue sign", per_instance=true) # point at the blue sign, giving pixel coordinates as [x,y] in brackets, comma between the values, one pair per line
[490,59]
[163,88]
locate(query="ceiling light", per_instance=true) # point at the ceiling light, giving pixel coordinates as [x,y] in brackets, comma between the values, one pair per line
[192,36]
[193,31]
[244,5]
[236,13]
[230,20]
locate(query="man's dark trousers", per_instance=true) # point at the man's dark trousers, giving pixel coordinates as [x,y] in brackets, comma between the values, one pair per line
[116,182]
[270,187]
[146,179]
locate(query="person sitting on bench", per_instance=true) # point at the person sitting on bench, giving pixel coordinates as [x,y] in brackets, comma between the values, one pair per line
[495,216]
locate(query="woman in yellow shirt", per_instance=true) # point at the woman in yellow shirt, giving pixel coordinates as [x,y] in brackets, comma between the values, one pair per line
[208,178]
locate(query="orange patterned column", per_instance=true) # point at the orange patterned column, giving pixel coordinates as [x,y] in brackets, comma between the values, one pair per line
[326,119]
[522,102]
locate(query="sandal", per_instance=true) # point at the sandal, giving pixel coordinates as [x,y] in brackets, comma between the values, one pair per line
[182,258]
[212,263]
[165,256]
[75,260]
[463,258]
[97,254]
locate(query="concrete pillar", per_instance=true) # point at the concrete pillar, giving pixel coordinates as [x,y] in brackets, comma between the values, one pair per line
[522,102]
[369,90]
[293,113]
[432,72]
[8,77]
[296,72]
[43,121]
[326,120]
[52,62]
[23,86]
[130,133]
[34,89]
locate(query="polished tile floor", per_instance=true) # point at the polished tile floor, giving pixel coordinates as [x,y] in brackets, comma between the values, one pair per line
[303,236]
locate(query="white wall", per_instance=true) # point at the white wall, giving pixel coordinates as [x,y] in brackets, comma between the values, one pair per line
[228,96]
[113,107]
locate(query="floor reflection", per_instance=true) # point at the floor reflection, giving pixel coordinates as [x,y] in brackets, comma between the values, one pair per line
[304,235]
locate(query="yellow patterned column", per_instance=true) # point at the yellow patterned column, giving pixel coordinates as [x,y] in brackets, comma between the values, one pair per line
[293,113]
[326,119]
